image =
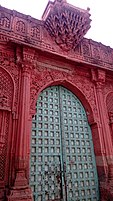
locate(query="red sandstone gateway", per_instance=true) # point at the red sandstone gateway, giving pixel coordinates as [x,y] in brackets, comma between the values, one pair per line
[56,108]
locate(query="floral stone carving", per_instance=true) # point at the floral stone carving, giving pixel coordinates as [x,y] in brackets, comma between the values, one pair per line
[66,24]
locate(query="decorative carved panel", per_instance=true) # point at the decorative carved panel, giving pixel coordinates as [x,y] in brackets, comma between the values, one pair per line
[7,61]
[6,90]
[109,103]
[35,32]
[20,27]
[4,126]
[5,20]
[95,51]
[86,49]
[6,101]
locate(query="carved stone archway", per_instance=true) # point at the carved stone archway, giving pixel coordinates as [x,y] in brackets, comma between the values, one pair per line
[48,107]
[83,93]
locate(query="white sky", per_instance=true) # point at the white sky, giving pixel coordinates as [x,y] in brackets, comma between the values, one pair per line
[101,14]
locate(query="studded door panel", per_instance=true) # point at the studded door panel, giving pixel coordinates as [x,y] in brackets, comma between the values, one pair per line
[62,164]
[78,154]
[46,148]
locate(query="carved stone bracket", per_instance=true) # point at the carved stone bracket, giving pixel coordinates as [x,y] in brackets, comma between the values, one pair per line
[98,77]
[67,25]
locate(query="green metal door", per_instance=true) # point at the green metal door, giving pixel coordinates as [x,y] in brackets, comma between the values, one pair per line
[62,164]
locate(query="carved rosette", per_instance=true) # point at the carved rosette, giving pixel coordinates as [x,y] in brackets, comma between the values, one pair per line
[67,25]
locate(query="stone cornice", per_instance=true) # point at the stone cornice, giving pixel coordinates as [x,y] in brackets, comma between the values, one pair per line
[20,28]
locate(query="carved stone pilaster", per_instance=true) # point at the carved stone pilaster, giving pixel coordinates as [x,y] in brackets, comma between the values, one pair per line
[100,82]
[109,104]
[21,189]
[99,79]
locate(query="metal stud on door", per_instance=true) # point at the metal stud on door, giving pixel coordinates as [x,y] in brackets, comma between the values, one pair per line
[62,164]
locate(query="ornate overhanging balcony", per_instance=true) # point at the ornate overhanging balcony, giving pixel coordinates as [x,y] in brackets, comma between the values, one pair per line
[66,24]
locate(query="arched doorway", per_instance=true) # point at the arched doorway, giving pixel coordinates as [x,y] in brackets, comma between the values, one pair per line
[62,164]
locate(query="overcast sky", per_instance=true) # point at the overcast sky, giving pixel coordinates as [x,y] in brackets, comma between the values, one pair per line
[101,14]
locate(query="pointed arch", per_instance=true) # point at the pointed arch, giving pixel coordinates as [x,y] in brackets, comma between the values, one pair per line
[75,90]
[61,138]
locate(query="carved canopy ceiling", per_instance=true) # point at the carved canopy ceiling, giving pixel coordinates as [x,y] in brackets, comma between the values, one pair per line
[66,24]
